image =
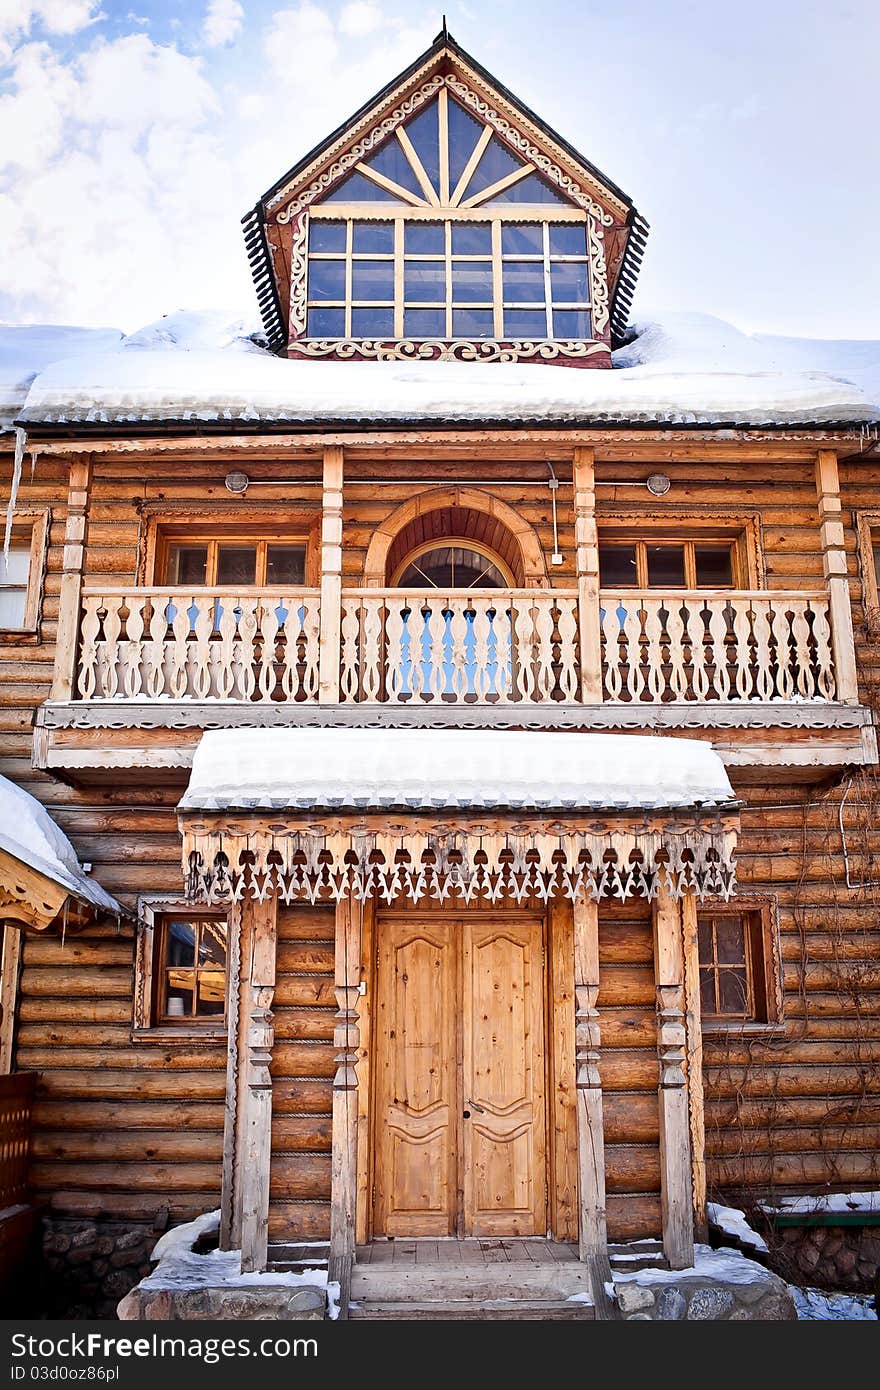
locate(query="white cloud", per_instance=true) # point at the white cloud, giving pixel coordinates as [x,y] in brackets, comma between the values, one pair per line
[360,18]
[223,19]
[18,17]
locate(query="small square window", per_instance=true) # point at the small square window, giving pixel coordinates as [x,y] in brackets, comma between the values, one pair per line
[181,969]
[21,572]
[737,967]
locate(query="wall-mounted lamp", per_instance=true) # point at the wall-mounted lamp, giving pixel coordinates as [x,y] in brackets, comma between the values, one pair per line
[237,483]
[658,484]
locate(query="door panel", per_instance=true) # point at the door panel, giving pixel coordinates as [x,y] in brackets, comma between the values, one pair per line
[416,1102]
[503,1150]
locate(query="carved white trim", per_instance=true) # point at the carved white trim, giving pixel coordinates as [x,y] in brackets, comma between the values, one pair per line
[451,350]
[298,263]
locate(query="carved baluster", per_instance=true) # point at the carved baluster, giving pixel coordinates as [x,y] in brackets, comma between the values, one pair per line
[88,648]
[523,645]
[764,629]
[610,630]
[112,629]
[782,626]
[154,649]
[436,641]
[481,629]
[502,628]
[654,677]
[131,650]
[676,1189]
[568,679]
[397,686]
[200,648]
[684,626]
[312,630]
[803,665]
[246,646]
[371,648]
[223,650]
[350,628]
[718,634]
[177,647]
[458,667]
[633,616]
[823,650]
[742,648]
[267,627]
[544,677]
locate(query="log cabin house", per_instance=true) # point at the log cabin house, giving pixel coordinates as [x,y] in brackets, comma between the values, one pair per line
[478,737]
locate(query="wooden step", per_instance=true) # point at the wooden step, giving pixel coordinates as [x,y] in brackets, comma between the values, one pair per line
[469,1310]
[514,1281]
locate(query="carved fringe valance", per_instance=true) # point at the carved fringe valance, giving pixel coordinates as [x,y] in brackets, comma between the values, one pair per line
[310,863]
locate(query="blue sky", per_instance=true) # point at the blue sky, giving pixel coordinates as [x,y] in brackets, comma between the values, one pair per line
[134,136]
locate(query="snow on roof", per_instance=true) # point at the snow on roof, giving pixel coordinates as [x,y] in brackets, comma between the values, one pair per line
[26,349]
[368,769]
[685,369]
[29,834]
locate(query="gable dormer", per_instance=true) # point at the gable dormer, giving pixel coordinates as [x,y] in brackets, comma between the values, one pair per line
[445,220]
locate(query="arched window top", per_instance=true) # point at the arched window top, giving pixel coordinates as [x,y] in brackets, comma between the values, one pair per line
[457,563]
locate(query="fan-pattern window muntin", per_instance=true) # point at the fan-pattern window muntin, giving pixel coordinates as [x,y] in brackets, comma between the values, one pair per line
[453,564]
[192,958]
[668,564]
[448,260]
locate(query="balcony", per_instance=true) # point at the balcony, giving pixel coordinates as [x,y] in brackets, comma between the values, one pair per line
[156,666]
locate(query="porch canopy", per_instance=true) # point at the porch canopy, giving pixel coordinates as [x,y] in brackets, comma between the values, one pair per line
[321,812]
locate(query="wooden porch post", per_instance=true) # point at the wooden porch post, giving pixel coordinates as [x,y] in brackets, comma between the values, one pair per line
[256,1152]
[592,1230]
[10,969]
[237,995]
[587,562]
[676,1192]
[834,566]
[346,1039]
[66,641]
[694,1058]
[331,577]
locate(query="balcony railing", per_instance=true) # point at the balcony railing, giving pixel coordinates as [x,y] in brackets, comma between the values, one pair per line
[16,1102]
[453,647]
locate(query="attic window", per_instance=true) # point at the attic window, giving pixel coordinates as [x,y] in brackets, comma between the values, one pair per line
[446,233]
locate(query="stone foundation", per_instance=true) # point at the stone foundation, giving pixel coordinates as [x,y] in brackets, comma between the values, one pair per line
[827,1257]
[89,1265]
[722,1286]
[268,1302]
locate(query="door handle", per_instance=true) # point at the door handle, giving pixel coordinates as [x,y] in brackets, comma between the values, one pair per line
[480,1109]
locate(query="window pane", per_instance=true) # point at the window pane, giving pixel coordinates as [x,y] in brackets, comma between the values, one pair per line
[527,239]
[12,606]
[179,993]
[372,323]
[531,189]
[471,239]
[452,567]
[704,939]
[372,280]
[617,566]
[424,323]
[327,236]
[875,551]
[730,940]
[568,282]
[424,132]
[212,943]
[714,566]
[376,237]
[236,564]
[425,281]
[464,132]
[212,993]
[473,323]
[285,564]
[357,188]
[568,240]
[393,163]
[471,282]
[523,282]
[571,323]
[327,280]
[732,991]
[14,567]
[707,991]
[525,323]
[326,323]
[187,564]
[496,163]
[180,943]
[666,566]
[424,239]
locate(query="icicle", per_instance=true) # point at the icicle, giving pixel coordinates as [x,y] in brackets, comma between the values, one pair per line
[20,437]
[34,453]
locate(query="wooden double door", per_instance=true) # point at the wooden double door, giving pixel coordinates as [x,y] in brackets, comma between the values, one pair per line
[459,1117]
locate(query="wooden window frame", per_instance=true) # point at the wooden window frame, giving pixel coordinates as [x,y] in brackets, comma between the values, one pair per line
[763,965]
[868,531]
[35,521]
[164,531]
[147,1023]
[742,531]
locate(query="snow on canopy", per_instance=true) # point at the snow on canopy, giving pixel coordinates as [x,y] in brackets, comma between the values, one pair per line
[681,369]
[29,834]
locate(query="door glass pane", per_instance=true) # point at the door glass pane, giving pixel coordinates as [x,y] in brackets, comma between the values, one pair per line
[372,280]
[326,280]
[236,564]
[372,323]
[526,239]
[714,566]
[12,606]
[424,239]
[425,281]
[372,237]
[285,564]
[424,323]
[525,323]
[666,566]
[617,567]
[568,240]
[327,236]
[523,282]
[471,239]
[473,323]
[187,564]
[471,282]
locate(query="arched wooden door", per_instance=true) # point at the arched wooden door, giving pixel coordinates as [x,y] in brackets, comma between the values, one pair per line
[459,1123]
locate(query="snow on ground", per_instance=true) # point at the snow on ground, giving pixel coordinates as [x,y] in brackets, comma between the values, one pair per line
[830,1201]
[733,1223]
[727,1266]
[29,834]
[684,369]
[814,1305]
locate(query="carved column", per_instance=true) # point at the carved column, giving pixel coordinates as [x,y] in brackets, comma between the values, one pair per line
[694,1057]
[230,1231]
[592,1230]
[834,566]
[331,577]
[587,560]
[346,1039]
[256,1148]
[69,602]
[675,1152]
